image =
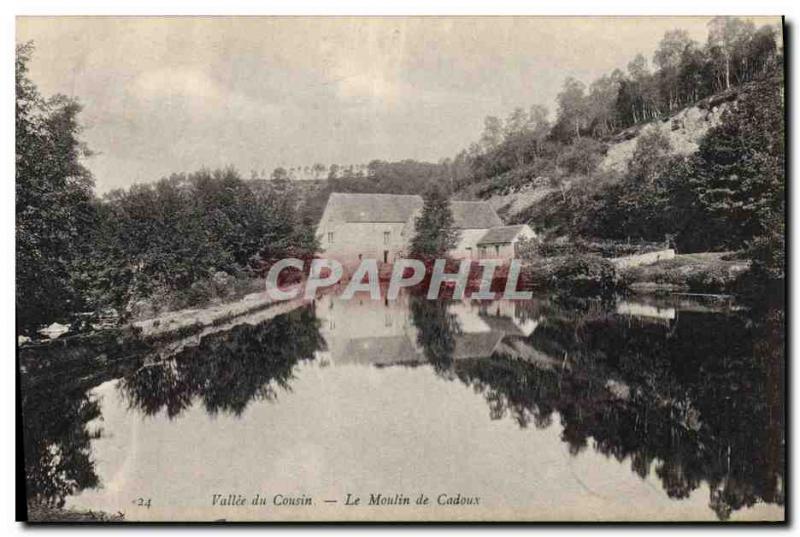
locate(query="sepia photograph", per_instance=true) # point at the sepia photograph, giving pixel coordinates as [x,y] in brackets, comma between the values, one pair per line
[407,269]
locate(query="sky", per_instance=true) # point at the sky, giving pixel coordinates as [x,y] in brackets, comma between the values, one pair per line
[175,94]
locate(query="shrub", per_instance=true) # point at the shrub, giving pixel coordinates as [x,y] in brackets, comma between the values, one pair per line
[578,274]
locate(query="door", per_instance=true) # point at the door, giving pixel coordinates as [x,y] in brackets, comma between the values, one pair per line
[386,256]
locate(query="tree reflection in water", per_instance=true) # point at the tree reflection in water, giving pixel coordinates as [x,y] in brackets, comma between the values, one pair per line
[699,398]
[695,399]
[58,412]
[57,444]
[227,371]
[437,329]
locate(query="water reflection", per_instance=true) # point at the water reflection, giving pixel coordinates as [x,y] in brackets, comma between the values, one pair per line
[693,390]
[689,397]
[57,444]
[227,371]
[688,391]
[414,331]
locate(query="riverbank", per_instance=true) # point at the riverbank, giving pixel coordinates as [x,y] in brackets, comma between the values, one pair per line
[707,272]
[192,320]
[42,514]
[88,352]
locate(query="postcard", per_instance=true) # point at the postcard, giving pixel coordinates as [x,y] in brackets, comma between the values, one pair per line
[401,269]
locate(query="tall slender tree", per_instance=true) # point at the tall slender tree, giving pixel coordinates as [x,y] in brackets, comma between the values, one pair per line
[435,232]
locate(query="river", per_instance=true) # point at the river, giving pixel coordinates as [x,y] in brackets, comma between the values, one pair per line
[548,409]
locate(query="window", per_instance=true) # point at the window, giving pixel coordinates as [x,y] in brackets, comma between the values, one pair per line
[330,237]
[497,249]
[386,237]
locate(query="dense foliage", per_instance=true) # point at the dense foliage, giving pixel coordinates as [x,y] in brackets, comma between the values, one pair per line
[735,53]
[170,235]
[435,232]
[53,195]
[730,195]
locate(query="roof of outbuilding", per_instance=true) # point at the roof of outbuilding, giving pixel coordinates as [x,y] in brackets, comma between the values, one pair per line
[476,345]
[361,208]
[501,234]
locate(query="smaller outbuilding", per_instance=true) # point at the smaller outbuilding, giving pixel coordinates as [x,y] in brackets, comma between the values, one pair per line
[501,242]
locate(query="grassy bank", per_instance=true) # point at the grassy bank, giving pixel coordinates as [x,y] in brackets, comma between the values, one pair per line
[707,272]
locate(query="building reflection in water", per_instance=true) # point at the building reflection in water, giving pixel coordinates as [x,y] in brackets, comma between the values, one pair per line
[367,332]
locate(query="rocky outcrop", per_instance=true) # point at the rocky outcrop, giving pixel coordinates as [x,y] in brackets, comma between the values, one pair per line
[684,130]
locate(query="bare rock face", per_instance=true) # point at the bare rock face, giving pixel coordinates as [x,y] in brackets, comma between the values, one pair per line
[684,130]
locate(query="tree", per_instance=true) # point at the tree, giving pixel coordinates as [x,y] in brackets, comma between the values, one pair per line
[53,201]
[435,233]
[318,169]
[762,50]
[333,171]
[572,109]
[694,74]
[517,123]
[727,37]
[601,102]
[739,179]
[280,174]
[539,126]
[492,133]
[581,157]
[652,149]
[668,58]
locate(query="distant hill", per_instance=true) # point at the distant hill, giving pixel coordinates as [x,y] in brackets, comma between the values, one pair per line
[684,129]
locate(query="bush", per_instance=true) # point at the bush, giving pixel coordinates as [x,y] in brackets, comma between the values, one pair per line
[578,274]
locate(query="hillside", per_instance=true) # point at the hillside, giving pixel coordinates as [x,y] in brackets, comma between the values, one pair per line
[684,130]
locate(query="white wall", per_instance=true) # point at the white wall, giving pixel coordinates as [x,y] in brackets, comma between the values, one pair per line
[365,239]
[468,238]
[506,250]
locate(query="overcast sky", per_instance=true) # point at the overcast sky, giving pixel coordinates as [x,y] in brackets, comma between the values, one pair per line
[164,95]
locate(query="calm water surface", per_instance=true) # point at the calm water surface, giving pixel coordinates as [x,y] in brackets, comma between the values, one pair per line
[665,409]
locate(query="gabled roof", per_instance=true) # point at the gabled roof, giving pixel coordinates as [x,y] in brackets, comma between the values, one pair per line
[362,208]
[371,207]
[474,215]
[501,234]
[476,345]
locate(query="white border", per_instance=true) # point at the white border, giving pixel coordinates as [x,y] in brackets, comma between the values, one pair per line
[340,7]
